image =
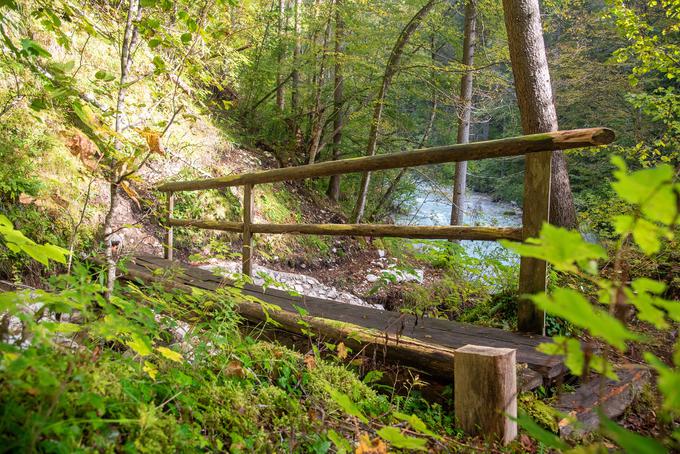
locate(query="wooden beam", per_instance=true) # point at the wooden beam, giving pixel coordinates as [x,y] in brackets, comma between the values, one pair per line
[208,224]
[533,273]
[247,251]
[169,238]
[515,146]
[485,391]
[396,231]
[373,230]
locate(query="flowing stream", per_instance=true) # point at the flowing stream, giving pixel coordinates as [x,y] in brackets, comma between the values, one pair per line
[432,206]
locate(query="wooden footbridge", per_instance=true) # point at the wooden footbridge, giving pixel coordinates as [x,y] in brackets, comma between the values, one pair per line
[427,344]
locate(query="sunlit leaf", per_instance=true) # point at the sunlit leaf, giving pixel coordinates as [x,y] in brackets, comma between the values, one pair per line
[570,305]
[397,439]
[560,247]
[170,354]
[150,369]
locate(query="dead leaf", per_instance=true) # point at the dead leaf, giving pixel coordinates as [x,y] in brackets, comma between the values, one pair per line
[368,446]
[153,140]
[235,369]
[526,444]
[342,351]
[26,199]
[84,148]
[129,190]
[310,361]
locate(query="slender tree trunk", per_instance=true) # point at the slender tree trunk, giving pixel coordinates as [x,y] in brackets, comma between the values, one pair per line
[318,123]
[339,82]
[465,113]
[130,37]
[390,71]
[295,91]
[280,96]
[395,183]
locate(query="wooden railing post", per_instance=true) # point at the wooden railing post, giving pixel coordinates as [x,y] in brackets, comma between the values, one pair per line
[485,391]
[536,209]
[247,251]
[168,246]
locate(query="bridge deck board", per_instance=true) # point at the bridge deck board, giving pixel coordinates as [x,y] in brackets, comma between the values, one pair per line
[445,333]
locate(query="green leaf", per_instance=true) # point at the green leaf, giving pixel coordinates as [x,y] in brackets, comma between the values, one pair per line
[573,307]
[159,63]
[549,439]
[561,247]
[186,38]
[416,424]
[668,383]
[646,235]
[397,439]
[139,344]
[104,75]
[170,354]
[346,404]
[34,49]
[342,445]
[575,358]
[150,369]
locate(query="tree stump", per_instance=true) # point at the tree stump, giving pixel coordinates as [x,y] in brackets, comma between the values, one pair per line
[485,391]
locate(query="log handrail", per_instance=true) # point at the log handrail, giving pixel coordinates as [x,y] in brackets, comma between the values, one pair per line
[448,232]
[514,146]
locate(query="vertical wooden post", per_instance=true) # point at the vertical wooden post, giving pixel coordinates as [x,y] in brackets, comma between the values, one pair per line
[247,251]
[168,246]
[533,273]
[485,391]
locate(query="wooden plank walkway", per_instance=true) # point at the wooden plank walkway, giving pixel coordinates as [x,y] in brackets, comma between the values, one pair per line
[435,336]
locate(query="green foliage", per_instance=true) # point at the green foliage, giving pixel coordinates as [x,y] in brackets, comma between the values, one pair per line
[19,148]
[15,241]
[653,195]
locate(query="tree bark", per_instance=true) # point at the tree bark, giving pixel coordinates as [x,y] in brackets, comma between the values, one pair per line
[535,101]
[318,123]
[465,114]
[295,91]
[390,71]
[130,37]
[338,99]
[280,97]
[537,112]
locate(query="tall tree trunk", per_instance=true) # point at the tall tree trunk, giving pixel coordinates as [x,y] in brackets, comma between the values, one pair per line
[537,111]
[338,101]
[390,71]
[465,113]
[280,97]
[535,99]
[295,90]
[562,210]
[130,37]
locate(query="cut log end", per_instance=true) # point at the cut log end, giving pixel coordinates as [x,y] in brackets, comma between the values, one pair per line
[485,391]
[603,136]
